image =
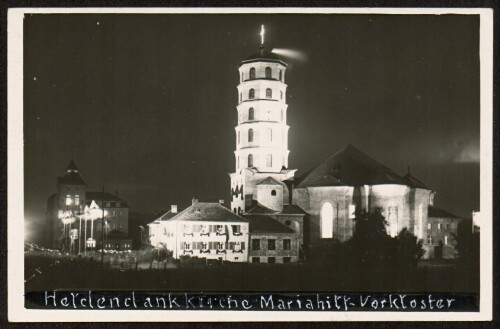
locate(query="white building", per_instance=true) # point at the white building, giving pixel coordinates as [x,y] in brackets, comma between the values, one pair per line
[203,229]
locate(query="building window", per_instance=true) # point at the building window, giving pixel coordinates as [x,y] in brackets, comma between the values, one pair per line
[251,94]
[326,215]
[271,260]
[250,160]
[287,244]
[108,204]
[238,137]
[269,93]
[287,260]
[270,134]
[69,201]
[250,135]
[429,239]
[241,79]
[439,226]
[77,200]
[252,73]
[273,192]
[281,75]
[241,97]
[271,244]
[234,210]
[447,227]
[281,95]
[445,239]
[239,210]
[255,244]
[269,160]
[255,260]
[251,114]
[268,73]
[429,226]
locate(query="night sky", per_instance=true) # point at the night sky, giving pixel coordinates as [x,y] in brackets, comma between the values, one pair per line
[147,103]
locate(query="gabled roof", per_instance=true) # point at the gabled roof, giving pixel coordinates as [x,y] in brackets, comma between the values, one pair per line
[350,167]
[292,209]
[440,213]
[266,224]
[257,208]
[413,182]
[270,181]
[208,211]
[168,215]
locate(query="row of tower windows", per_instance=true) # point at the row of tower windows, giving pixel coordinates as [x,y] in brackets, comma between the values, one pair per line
[268,74]
[269,161]
[251,115]
[251,135]
[269,94]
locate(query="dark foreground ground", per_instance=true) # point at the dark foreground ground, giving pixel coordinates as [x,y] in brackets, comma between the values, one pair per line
[44,272]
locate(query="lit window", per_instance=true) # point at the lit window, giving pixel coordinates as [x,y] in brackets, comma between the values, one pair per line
[69,201]
[251,94]
[250,135]
[287,244]
[273,192]
[251,114]
[429,226]
[77,200]
[326,215]
[445,239]
[268,73]
[429,239]
[269,160]
[352,211]
[271,244]
[439,226]
[269,93]
[255,244]
[252,73]
[250,160]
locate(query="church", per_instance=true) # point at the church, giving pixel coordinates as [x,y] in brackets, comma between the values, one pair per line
[332,192]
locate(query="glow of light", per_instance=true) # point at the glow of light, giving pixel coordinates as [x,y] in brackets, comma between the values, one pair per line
[289,53]
[262,31]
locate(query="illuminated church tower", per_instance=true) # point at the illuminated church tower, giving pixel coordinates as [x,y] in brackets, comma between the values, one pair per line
[262,133]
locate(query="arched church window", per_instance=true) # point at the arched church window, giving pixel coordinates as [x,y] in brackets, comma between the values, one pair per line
[239,210]
[273,192]
[251,114]
[241,97]
[241,78]
[281,75]
[270,134]
[326,215]
[234,210]
[281,95]
[269,93]
[250,160]
[252,73]
[250,135]
[269,160]
[268,73]
[251,94]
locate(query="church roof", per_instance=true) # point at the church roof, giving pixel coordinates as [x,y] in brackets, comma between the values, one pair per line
[207,211]
[263,55]
[350,167]
[438,212]
[270,181]
[72,166]
[413,182]
[266,224]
